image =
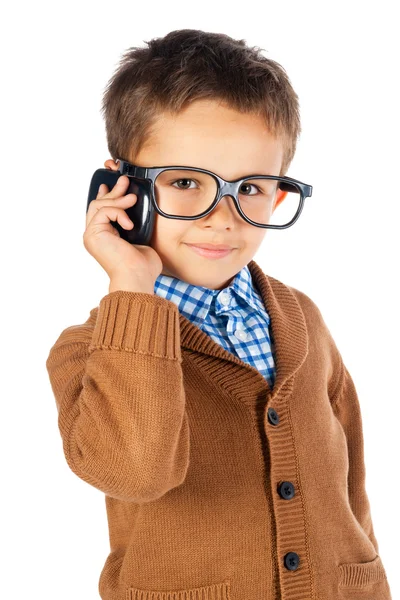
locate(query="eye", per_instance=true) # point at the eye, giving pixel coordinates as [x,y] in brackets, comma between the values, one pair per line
[249,185]
[183,179]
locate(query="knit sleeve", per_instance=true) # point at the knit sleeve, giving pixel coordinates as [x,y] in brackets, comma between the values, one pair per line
[346,407]
[118,387]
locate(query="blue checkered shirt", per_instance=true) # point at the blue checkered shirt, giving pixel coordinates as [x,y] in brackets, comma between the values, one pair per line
[234,317]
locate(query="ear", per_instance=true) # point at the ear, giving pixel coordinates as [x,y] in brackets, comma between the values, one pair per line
[111,164]
[280,196]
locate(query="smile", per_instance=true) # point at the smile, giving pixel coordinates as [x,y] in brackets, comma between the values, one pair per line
[210,253]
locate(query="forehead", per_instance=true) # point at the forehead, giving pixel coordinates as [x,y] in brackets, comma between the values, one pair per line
[209,135]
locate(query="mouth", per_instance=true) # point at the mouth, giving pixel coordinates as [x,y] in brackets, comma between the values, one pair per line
[212,246]
[210,251]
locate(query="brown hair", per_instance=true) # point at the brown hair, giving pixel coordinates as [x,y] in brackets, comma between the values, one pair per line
[189,64]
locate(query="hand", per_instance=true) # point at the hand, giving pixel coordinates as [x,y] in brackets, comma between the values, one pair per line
[103,242]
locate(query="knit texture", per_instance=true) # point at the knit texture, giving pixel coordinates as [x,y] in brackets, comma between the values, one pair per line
[218,486]
[234,317]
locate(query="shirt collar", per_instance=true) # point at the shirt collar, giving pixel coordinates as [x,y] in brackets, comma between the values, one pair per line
[195,302]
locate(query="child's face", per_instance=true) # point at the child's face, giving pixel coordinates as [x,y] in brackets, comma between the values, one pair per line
[210,136]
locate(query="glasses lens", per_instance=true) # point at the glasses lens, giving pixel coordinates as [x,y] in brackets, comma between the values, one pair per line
[184,193]
[187,193]
[269,201]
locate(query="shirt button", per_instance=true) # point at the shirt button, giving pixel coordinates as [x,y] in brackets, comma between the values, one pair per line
[241,335]
[224,298]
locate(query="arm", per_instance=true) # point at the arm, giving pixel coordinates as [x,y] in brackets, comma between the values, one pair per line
[118,386]
[346,407]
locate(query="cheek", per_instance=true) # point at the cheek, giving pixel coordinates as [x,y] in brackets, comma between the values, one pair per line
[168,233]
[253,236]
[254,240]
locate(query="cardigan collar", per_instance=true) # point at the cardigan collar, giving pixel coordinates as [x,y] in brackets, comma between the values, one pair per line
[287,327]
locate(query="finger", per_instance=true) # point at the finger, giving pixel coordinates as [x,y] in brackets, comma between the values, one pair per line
[117,190]
[104,200]
[103,189]
[123,202]
[108,213]
[119,187]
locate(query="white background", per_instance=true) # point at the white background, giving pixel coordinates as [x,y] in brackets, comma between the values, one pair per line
[343,61]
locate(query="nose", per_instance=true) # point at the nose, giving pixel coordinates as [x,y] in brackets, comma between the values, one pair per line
[227,189]
[226,203]
[226,195]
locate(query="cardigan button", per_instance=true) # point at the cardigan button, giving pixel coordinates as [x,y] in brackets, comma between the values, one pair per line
[286,490]
[291,561]
[273,417]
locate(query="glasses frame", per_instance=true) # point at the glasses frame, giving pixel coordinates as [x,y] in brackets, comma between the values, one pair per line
[224,188]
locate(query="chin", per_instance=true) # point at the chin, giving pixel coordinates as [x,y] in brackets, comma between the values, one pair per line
[168,273]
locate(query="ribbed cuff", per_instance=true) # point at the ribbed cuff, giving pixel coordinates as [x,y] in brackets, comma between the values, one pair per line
[138,322]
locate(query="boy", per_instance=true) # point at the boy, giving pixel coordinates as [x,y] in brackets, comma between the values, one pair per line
[206,399]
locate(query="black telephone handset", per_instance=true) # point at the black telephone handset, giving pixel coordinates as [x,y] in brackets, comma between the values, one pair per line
[141,213]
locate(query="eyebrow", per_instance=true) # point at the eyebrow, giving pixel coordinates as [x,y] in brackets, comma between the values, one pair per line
[248,175]
[260,174]
[182,168]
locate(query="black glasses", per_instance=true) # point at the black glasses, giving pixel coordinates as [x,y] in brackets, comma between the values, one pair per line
[276,203]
